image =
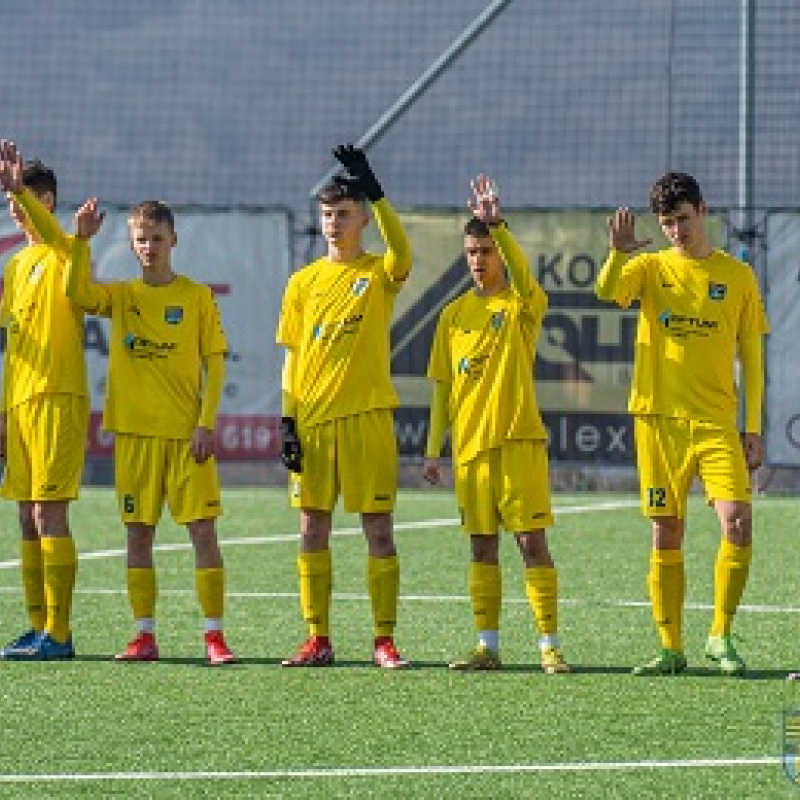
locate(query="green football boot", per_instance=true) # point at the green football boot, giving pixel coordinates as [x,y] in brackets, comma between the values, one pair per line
[667,662]
[721,650]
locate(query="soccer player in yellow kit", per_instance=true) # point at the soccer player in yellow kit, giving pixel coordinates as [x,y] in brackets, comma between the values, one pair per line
[338,430]
[482,364]
[699,309]
[165,380]
[44,414]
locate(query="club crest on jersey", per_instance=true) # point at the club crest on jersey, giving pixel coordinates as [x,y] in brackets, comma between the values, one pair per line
[497,319]
[359,286]
[35,273]
[664,317]
[173,315]
[717,291]
[463,365]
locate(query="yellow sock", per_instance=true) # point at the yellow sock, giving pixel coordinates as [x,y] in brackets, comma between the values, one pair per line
[730,576]
[383,580]
[667,586]
[541,587]
[210,585]
[33,582]
[316,584]
[60,564]
[142,592]
[485,590]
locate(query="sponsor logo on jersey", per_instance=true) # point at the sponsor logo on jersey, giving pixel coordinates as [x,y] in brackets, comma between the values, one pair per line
[141,347]
[471,367]
[173,315]
[717,291]
[684,325]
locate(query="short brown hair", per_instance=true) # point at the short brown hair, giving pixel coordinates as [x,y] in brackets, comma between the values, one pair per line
[39,178]
[672,189]
[339,189]
[476,227]
[155,211]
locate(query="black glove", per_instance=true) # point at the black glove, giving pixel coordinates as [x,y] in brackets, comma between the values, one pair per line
[290,449]
[356,164]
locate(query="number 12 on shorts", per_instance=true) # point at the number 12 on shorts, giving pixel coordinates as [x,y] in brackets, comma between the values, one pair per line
[656,497]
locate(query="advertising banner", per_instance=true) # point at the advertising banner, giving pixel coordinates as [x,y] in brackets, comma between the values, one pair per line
[782,433]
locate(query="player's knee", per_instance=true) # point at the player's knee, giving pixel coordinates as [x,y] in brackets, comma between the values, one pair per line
[27,523]
[738,526]
[667,533]
[50,519]
[485,549]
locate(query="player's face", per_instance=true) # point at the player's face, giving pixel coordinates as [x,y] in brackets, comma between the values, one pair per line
[152,243]
[484,262]
[685,228]
[18,215]
[342,222]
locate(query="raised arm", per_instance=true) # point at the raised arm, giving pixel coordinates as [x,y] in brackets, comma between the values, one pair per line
[41,220]
[397,261]
[485,206]
[622,244]
[78,285]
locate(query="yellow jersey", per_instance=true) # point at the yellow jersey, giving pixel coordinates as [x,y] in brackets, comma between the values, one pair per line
[693,315]
[335,317]
[485,349]
[44,329]
[160,337]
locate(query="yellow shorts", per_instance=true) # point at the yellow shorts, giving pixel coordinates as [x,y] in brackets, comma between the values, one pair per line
[45,447]
[508,485]
[356,455]
[670,452]
[149,469]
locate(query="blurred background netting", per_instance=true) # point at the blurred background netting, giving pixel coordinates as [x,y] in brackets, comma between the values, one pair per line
[575,104]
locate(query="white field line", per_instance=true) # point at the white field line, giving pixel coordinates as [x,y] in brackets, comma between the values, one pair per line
[292,537]
[357,597]
[366,772]
[428,598]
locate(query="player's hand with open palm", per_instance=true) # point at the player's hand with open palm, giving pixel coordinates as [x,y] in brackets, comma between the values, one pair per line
[485,202]
[11,165]
[88,220]
[622,233]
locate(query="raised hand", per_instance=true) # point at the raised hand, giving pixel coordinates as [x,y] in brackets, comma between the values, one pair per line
[485,203]
[11,165]
[621,232]
[354,160]
[88,220]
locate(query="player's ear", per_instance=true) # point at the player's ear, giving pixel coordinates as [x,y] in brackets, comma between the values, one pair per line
[48,200]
